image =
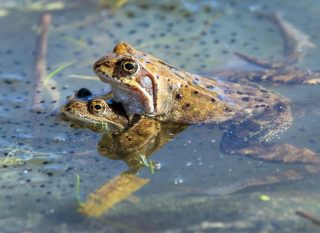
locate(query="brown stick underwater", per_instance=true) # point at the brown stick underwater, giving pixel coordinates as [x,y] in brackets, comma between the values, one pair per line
[41,63]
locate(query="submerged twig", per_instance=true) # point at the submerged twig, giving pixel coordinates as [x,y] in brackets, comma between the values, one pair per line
[41,63]
[295,45]
[307,216]
[283,70]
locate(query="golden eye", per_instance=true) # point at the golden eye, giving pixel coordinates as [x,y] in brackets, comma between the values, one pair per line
[130,66]
[97,106]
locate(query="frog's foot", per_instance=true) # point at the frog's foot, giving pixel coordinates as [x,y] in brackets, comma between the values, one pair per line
[292,76]
[235,143]
[285,153]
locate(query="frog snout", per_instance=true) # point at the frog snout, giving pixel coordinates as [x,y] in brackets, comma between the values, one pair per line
[71,106]
[68,107]
[102,63]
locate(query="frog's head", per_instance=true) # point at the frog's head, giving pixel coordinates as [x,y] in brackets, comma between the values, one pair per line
[137,76]
[96,111]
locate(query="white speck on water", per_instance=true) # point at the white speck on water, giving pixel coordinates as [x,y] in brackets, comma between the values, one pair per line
[158,166]
[178,180]
[59,139]
[254,8]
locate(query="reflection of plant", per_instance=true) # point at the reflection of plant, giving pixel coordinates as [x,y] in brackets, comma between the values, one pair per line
[80,203]
[148,163]
[109,194]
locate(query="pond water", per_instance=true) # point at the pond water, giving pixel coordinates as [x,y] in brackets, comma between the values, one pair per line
[49,169]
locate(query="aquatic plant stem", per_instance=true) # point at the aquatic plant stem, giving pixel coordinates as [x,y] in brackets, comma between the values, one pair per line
[307,216]
[41,62]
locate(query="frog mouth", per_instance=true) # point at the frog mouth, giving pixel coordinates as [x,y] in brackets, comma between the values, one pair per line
[107,79]
[144,90]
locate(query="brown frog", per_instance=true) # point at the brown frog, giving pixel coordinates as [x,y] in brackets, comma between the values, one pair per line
[148,86]
[96,113]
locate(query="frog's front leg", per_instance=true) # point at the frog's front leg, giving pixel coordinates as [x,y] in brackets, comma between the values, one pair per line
[144,137]
[140,139]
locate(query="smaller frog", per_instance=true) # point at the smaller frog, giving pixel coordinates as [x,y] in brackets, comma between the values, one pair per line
[100,113]
[123,138]
[96,112]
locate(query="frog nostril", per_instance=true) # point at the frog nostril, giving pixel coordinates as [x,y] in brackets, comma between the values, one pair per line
[96,66]
[108,63]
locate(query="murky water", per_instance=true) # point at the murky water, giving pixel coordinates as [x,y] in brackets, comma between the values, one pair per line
[41,156]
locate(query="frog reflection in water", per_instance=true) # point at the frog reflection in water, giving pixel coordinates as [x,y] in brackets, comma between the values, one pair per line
[251,115]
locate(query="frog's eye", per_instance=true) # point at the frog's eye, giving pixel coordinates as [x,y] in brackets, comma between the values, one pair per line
[130,66]
[97,106]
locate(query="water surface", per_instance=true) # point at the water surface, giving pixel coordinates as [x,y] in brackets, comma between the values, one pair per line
[41,156]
